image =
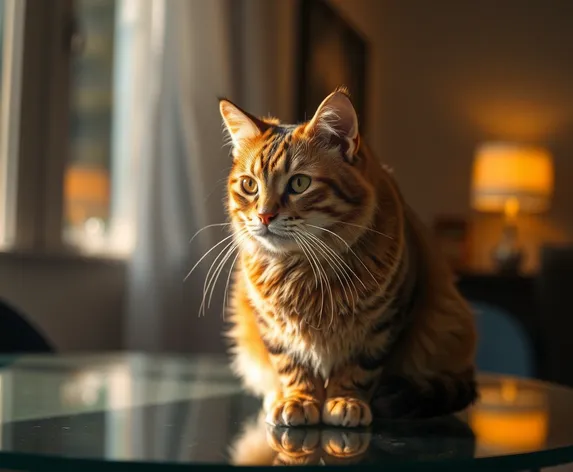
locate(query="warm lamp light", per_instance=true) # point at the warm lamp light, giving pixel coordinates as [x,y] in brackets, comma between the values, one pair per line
[87,192]
[511,178]
[510,418]
[514,431]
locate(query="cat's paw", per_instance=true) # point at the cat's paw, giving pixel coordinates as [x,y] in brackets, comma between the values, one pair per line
[294,446]
[294,411]
[293,441]
[344,444]
[346,411]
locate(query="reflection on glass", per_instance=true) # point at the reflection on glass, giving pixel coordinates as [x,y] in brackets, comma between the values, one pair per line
[82,389]
[109,390]
[119,417]
[87,189]
[179,410]
[510,418]
[260,444]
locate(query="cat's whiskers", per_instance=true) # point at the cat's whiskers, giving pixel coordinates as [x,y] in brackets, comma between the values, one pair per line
[334,264]
[323,278]
[345,269]
[227,283]
[206,254]
[207,227]
[315,262]
[327,283]
[211,279]
[230,246]
[349,248]
[312,244]
[295,237]
[341,259]
[218,270]
[363,227]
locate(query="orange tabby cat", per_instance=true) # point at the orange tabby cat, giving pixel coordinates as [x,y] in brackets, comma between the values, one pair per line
[341,309]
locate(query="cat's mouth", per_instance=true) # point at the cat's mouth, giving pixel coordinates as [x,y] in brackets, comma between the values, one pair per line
[271,234]
[274,240]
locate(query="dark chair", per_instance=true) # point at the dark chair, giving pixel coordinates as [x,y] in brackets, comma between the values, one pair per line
[555,302]
[504,346]
[17,335]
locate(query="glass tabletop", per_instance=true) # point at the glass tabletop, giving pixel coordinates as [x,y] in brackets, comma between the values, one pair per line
[139,412]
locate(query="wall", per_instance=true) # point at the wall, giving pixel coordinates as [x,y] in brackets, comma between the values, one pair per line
[445,76]
[76,302]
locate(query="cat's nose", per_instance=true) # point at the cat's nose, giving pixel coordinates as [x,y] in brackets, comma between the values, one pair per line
[266,218]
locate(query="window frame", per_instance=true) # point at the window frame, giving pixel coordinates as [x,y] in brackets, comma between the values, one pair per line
[37,196]
[13,30]
[34,187]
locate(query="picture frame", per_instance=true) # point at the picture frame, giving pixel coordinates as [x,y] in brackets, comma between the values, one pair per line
[332,53]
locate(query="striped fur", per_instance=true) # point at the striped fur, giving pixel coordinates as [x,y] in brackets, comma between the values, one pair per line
[342,299]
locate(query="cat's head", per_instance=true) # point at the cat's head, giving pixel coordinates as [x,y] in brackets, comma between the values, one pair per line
[293,184]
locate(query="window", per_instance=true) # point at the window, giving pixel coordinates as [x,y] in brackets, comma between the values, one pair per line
[97,190]
[87,186]
[70,188]
[11,34]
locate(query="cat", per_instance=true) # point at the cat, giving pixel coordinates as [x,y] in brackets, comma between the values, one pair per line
[341,309]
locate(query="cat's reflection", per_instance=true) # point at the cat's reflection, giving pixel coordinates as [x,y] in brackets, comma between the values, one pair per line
[263,444]
[439,439]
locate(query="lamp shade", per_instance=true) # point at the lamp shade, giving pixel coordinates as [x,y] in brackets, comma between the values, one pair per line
[505,172]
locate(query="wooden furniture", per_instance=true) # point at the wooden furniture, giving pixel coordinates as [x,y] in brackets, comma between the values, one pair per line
[515,295]
[554,293]
[541,302]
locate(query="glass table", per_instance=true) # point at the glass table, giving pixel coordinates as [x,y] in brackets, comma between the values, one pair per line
[138,412]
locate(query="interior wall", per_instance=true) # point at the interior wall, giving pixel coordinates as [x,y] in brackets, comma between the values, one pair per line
[446,76]
[77,303]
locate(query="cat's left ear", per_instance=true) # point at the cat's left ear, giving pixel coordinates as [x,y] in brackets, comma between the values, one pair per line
[335,121]
[240,124]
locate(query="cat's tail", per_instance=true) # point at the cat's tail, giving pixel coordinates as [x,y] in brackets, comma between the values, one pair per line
[398,397]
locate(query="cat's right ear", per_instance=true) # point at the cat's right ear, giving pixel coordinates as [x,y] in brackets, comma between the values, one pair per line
[240,125]
[336,121]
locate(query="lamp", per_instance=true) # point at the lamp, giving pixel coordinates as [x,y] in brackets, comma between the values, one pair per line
[511,178]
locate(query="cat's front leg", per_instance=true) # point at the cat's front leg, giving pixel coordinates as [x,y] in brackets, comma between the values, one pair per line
[301,398]
[348,396]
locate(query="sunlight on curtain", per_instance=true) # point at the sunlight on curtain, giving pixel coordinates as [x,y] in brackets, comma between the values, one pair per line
[11,49]
[179,144]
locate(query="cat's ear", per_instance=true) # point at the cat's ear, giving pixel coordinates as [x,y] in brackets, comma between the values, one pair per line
[240,124]
[336,121]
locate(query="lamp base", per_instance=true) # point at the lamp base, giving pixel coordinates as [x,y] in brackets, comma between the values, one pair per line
[507,255]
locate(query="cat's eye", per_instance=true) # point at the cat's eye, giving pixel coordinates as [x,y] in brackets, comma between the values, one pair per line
[249,185]
[299,183]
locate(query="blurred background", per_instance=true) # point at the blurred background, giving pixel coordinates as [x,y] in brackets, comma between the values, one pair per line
[111,154]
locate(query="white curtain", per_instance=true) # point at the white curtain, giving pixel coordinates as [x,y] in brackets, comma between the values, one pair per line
[197,50]
[181,158]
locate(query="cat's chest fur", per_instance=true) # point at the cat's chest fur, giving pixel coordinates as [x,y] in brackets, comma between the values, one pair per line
[320,326]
